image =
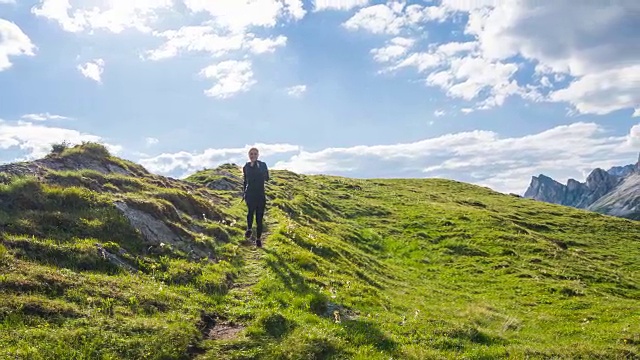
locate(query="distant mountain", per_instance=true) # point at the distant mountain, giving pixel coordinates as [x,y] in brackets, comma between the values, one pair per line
[622,170]
[614,192]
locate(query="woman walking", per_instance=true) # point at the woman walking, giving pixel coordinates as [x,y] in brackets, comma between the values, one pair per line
[255,174]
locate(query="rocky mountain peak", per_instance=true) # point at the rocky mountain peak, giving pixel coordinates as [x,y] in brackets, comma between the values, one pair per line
[546,189]
[599,184]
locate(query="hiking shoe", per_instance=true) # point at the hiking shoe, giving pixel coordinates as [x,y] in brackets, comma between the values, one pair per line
[247,234]
[258,243]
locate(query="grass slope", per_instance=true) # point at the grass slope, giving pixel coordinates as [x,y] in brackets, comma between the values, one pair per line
[375,269]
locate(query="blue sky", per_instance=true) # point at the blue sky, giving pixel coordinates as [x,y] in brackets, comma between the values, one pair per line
[480,91]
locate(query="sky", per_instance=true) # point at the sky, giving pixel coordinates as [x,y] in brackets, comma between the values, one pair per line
[480,91]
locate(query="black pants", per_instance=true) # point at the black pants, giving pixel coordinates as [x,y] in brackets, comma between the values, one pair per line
[255,206]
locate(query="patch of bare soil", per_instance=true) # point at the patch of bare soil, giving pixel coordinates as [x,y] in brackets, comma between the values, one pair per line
[224,332]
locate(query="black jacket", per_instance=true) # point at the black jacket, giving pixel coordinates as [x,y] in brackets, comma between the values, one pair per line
[254,178]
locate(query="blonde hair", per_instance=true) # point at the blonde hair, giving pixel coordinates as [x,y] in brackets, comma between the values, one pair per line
[256,149]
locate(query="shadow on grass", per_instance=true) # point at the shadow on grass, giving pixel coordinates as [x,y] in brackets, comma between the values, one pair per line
[358,332]
[366,333]
[289,276]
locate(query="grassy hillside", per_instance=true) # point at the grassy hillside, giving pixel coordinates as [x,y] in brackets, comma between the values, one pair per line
[375,269]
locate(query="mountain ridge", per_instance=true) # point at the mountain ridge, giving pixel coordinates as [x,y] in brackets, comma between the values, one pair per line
[351,268]
[615,191]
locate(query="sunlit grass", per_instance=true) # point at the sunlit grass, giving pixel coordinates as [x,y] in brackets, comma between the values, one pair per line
[366,269]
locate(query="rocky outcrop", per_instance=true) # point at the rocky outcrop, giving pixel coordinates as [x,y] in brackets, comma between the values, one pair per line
[615,191]
[546,189]
[157,233]
[77,161]
[224,180]
[598,184]
[623,201]
[114,259]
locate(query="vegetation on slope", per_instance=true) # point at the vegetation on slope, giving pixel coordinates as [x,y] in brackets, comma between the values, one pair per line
[411,269]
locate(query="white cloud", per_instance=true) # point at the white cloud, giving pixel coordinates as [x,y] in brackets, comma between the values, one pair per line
[455,67]
[151,141]
[209,158]
[591,44]
[238,15]
[44,117]
[231,77]
[394,18]
[395,48]
[343,5]
[220,28]
[378,19]
[484,158]
[7,1]
[36,140]
[268,45]
[113,16]
[13,42]
[439,113]
[196,39]
[297,90]
[604,92]
[93,70]
[468,76]
[480,157]
[633,139]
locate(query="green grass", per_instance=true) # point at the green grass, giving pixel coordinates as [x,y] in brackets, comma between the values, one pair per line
[363,269]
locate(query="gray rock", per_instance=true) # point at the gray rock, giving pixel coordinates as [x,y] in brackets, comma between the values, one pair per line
[615,192]
[222,184]
[114,259]
[156,232]
[73,162]
[623,201]
[544,188]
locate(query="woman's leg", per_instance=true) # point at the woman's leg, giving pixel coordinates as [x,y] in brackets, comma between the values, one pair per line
[251,209]
[259,216]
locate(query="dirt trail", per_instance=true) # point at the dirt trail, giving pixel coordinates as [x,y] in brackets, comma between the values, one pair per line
[240,295]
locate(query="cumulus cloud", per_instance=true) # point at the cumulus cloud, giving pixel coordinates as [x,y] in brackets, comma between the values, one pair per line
[112,16]
[343,5]
[229,28]
[43,117]
[393,49]
[187,162]
[209,39]
[93,70]
[196,39]
[231,77]
[36,139]
[480,157]
[151,141]
[603,92]
[13,42]
[633,139]
[484,158]
[222,28]
[590,43]
[297,90]
[394,18]
[238,15]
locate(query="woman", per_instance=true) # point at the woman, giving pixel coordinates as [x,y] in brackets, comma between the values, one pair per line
[255,174]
